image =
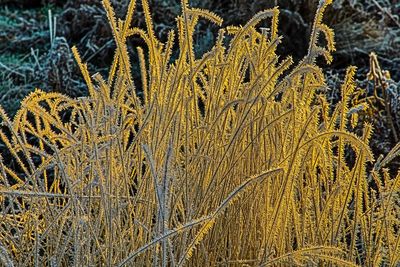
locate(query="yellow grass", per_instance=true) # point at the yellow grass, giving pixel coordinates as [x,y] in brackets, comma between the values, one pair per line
[233,159]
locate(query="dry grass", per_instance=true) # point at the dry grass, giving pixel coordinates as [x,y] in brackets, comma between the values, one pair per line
[233,159]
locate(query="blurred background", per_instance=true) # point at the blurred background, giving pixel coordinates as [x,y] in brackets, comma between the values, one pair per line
[36,37]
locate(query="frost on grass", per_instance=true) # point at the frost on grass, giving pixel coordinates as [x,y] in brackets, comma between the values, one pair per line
[233,157]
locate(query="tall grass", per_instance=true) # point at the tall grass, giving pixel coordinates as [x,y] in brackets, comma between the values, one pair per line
[234,159]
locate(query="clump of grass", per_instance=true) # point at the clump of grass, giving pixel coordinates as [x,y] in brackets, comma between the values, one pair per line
[233,158]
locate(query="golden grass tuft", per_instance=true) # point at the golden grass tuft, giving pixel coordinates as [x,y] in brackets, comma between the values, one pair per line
[235,158]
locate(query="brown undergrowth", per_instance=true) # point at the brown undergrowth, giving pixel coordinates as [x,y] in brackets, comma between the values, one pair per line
[235,158]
